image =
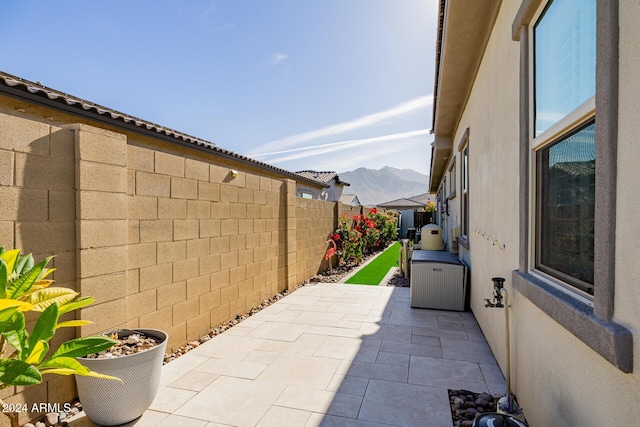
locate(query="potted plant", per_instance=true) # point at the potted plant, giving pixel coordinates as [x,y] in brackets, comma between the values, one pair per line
[110,403]
[25,356]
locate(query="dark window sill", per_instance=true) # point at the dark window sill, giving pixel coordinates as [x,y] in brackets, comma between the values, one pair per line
[464,242]
[609,339]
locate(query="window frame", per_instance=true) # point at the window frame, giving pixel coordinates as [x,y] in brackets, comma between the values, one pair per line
[592,323]
[452,180]
[463,150]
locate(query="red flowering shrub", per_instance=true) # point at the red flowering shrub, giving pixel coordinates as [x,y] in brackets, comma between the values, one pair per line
[366,233]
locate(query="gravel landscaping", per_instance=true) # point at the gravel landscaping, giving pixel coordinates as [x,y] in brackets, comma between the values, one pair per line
[465,405]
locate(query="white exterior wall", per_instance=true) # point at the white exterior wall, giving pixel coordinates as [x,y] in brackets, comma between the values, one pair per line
[558,379]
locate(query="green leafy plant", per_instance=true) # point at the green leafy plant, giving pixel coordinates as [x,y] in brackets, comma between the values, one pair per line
[430,207]
[365,233]
[23,354]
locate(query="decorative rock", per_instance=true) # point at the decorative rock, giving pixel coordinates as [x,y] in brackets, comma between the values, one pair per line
[466,405]
[28,425]
[481,402]
[51,419]
[486,396]
[40,424]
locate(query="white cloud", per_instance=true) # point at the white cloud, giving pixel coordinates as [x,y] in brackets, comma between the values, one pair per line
[358,123]
[278,57]
[410,153]
[320,149]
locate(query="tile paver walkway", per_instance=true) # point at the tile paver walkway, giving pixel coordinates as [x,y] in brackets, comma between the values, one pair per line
[329,355]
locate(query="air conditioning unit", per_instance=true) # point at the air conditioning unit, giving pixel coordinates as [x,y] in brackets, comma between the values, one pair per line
[454,233]
[438,281]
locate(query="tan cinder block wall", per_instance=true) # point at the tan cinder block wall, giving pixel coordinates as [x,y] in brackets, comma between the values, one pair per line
[203,245]
[163,236]
[101,225]
[37,214]
[314,224]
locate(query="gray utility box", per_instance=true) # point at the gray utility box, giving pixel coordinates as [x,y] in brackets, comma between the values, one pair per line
[438,281]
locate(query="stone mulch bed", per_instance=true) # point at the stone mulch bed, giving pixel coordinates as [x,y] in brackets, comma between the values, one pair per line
[134,342]
[398,280]
[465,405]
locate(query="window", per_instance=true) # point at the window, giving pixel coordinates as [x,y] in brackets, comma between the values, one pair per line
[439,214]
[452,180]
[566,208]
[564,80]
[464,187]
[558,137]
[565,60]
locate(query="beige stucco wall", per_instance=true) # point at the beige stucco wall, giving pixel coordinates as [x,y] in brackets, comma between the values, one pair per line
[627,297]
[566,382]
[493,162]
[164,236]
[557,378]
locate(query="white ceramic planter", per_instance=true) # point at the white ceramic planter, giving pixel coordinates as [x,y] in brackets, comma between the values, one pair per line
[109,402]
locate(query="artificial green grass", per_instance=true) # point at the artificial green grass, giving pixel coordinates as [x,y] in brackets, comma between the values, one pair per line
[373,273]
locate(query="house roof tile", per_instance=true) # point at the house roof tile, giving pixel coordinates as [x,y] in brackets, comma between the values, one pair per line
[405,203]
[324,177]
[36,92]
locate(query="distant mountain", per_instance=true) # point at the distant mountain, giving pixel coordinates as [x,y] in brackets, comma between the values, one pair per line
[375,186]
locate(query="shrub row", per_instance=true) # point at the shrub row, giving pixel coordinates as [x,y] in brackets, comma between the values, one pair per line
[362,234]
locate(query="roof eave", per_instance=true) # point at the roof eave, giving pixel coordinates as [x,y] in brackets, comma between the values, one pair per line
[463,34]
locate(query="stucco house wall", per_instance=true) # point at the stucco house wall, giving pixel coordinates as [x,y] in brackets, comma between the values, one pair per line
[557,376]
[331,189]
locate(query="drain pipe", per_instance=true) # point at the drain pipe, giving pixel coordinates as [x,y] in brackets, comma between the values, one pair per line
[501,294]
[506,404]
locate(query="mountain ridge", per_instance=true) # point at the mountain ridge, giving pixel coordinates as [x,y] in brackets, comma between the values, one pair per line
[376,186]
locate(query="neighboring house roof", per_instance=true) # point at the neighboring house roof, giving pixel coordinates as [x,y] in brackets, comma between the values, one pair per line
[350,199]
[323,177]
[402,204]
[38,93]
[423,198]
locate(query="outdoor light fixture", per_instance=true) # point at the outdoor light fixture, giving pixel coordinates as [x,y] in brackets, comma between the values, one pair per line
[234,173]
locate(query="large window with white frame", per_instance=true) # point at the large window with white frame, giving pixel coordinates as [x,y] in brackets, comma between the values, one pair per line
[563,142]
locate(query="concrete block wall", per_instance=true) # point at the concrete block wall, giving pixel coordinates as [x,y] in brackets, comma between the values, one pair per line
[203,244]
[315,222]
[37,214]
[163,236]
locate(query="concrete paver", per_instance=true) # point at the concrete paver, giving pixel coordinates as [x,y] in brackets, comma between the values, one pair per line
[329,355]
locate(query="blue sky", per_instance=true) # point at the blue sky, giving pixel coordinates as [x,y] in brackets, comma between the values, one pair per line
[300,84]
